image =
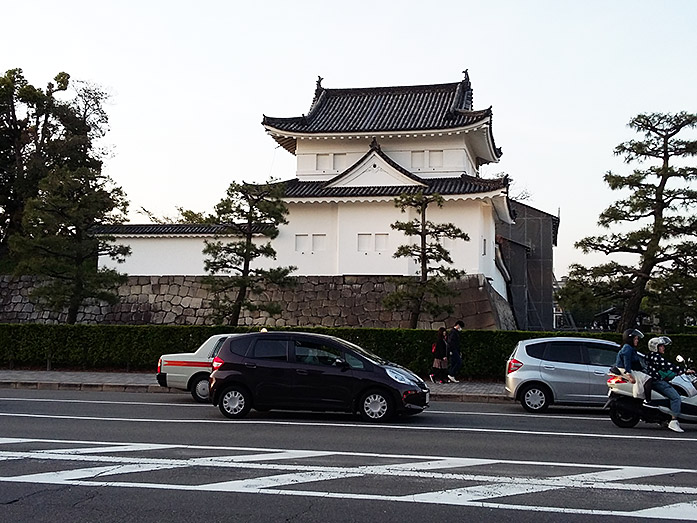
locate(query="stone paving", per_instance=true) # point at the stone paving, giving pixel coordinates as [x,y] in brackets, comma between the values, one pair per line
[475,391]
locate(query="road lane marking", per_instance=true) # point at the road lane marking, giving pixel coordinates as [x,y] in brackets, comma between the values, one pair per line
[599,417]
[490,492]
[652,437]
[90,472]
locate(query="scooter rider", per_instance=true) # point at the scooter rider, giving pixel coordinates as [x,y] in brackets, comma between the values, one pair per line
[627,358]
[662,371]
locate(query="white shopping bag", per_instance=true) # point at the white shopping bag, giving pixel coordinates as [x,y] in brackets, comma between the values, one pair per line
[638,388]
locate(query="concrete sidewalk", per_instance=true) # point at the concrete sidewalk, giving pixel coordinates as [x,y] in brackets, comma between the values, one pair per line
[469,391]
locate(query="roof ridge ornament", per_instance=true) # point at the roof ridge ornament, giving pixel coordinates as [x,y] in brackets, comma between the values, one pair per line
[318,89]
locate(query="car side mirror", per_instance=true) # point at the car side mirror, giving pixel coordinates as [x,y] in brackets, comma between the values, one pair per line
[341,363]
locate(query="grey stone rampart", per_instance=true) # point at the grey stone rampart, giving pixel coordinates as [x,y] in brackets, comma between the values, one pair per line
[330,301]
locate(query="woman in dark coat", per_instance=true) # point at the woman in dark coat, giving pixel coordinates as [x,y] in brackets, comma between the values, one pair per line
[440,359]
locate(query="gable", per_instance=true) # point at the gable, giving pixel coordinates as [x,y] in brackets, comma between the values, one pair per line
[374,170]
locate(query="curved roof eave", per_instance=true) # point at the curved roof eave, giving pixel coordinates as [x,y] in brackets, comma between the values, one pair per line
[494,196]
[288,140]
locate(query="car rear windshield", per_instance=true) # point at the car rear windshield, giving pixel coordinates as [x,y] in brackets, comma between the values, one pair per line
[536,350]
[240,345]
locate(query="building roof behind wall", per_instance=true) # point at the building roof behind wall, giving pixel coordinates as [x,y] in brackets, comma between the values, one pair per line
[169,229]
[463,184]
[382,109]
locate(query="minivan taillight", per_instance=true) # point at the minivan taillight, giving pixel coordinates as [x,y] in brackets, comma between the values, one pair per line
[217,362]
[513,365]
[159,365]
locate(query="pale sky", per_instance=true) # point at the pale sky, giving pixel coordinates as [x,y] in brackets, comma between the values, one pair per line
[190,82]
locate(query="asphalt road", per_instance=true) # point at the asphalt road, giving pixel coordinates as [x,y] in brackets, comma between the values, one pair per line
[120,457]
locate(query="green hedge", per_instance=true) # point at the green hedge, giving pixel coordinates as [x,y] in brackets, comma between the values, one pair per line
[137,348]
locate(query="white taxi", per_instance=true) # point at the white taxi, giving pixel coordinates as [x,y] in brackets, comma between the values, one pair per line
[190,370]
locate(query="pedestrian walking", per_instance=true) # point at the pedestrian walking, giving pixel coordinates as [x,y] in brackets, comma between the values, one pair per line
[453,346]
[439,374]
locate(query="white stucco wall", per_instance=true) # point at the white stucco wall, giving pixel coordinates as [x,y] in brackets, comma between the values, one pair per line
[156,256]
[325,239]
[426,156]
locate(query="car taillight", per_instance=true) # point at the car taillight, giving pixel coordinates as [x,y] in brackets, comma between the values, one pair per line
[159,365]
[217,362]
[513,365]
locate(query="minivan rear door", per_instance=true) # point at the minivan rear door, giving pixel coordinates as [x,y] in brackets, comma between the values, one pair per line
[268,372]
[564,369]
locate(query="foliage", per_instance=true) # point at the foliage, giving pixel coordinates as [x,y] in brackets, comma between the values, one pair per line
[35,135]
[128,347]
[72,197]
[421,294]
[659,210]
[672,295]
[249,211]
[588,292]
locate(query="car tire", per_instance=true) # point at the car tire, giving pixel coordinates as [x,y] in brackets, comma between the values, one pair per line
[235,402]
[623,419]
[200,389]
[535,398]
[376,406]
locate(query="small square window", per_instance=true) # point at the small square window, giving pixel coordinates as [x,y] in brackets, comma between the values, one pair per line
[435,159]
[364,242]
[302,242]
[381,241]
[324,162]
[319,242]
[417,159]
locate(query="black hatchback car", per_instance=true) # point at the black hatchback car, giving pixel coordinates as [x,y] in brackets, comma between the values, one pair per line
[303,371]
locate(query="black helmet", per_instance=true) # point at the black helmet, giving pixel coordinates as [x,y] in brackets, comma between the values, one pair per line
[631,333]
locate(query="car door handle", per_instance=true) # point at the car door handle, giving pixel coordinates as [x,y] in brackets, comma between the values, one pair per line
[548,367]
[302,371]
[600,372]
[250,365]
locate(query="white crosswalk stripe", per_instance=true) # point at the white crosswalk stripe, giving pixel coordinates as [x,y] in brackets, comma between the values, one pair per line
[310,473]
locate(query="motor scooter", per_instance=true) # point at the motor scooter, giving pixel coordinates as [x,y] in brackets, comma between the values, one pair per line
[627,406]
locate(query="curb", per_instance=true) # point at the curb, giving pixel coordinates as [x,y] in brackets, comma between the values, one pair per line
[471,398]
[157,389]
[99,387]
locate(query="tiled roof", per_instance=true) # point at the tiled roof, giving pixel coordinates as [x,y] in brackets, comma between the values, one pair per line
[383,109]
[444,186]
[168,229]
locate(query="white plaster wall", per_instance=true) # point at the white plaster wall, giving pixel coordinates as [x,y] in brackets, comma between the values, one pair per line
[160,256]
[453,156]
[371,253]
[330,243]
[312,220]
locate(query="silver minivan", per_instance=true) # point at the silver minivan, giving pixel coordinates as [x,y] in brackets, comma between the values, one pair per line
[563,370]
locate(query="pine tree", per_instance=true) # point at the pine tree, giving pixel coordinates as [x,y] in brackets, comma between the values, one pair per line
[249,211]
[422,294]
[659,206]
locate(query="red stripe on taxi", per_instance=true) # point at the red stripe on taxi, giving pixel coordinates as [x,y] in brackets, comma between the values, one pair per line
[206,364]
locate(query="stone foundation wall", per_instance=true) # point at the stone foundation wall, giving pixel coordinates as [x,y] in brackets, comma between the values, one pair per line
[330,301]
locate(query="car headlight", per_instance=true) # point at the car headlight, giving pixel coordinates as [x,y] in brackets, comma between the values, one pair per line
[400,377]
